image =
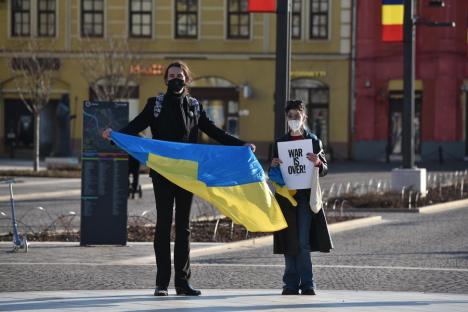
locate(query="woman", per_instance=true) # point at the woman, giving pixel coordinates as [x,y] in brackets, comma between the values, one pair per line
[174,116]
[306,231]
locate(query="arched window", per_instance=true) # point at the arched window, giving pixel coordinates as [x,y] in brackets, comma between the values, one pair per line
[212,82]
[315,95]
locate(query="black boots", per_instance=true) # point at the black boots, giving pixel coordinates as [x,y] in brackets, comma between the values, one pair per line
[187,290]
[161,291]
[180,291]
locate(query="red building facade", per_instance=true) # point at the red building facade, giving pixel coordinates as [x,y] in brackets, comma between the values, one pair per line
[441,84]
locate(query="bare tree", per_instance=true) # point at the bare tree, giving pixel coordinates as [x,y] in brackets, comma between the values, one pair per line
[106,66]
[33,75]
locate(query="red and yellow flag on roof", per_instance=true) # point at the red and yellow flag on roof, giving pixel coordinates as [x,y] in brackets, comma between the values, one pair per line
[392,20]
[262,6]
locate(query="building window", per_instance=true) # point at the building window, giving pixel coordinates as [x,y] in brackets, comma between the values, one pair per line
[92,18]
[186,15]
[296,23]
[238,19]
[319,19]
[46,18]
[141,17]
[20,18]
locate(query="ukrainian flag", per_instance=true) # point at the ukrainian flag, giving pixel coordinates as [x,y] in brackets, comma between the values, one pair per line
[276,179]
[228,177]
[392,20]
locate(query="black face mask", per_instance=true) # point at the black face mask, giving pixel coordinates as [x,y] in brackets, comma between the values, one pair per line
[175,85]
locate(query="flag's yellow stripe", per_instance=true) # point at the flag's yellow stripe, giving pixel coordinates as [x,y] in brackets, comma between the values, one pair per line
[392,14]
[285,192]
[260,213]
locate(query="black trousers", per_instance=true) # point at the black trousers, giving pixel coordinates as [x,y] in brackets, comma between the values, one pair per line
[165,193]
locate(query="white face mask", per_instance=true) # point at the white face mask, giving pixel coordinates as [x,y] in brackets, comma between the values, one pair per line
[295,125]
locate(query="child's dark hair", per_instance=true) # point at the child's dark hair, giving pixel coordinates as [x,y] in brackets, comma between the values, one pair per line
[294,104]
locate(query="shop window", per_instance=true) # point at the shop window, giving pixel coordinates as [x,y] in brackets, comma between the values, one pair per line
[220,99]
[238,19]
[395,139]
[186,16]
[141,17]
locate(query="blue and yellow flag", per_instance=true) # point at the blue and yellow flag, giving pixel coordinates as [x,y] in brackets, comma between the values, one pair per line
[276,179]
[228,177]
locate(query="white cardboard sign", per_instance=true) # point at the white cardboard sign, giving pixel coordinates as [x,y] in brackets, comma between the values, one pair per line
[296,168]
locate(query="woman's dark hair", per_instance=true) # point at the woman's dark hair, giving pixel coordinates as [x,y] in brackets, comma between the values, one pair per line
[184,67]
[294,104]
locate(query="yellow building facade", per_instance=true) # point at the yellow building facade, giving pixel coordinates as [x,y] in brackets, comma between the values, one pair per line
[231,53]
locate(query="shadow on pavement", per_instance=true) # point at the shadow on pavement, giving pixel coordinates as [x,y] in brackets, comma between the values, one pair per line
[61,303]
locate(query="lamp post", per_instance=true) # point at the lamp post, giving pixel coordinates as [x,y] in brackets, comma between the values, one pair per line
[409,35]
[409,39]
[283,63]
[409,176]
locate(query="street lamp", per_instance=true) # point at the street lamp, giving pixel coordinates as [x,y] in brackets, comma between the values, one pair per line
[410,23]
[410,175]
[283,63]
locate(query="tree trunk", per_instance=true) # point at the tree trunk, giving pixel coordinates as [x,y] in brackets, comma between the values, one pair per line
[37,141]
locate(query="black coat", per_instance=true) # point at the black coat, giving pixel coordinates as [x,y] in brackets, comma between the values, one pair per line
[286,240]
[177,122]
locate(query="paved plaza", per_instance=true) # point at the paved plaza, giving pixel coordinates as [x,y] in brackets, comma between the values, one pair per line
[405,262]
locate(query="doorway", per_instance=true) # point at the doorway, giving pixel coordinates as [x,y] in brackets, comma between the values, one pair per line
[221,106]
[19,128]
[220,100]
[394,144]
[315,95]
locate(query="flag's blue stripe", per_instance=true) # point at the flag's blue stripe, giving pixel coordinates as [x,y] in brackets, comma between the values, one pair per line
[217,165]
[275,175]
[386,2]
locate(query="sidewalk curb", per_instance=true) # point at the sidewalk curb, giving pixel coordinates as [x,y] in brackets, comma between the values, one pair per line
[256,242]
[435,208]
[226,247]
[354,224]
[268,240]
[457,204]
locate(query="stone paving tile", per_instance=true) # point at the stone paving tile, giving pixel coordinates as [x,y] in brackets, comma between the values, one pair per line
[66,277]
